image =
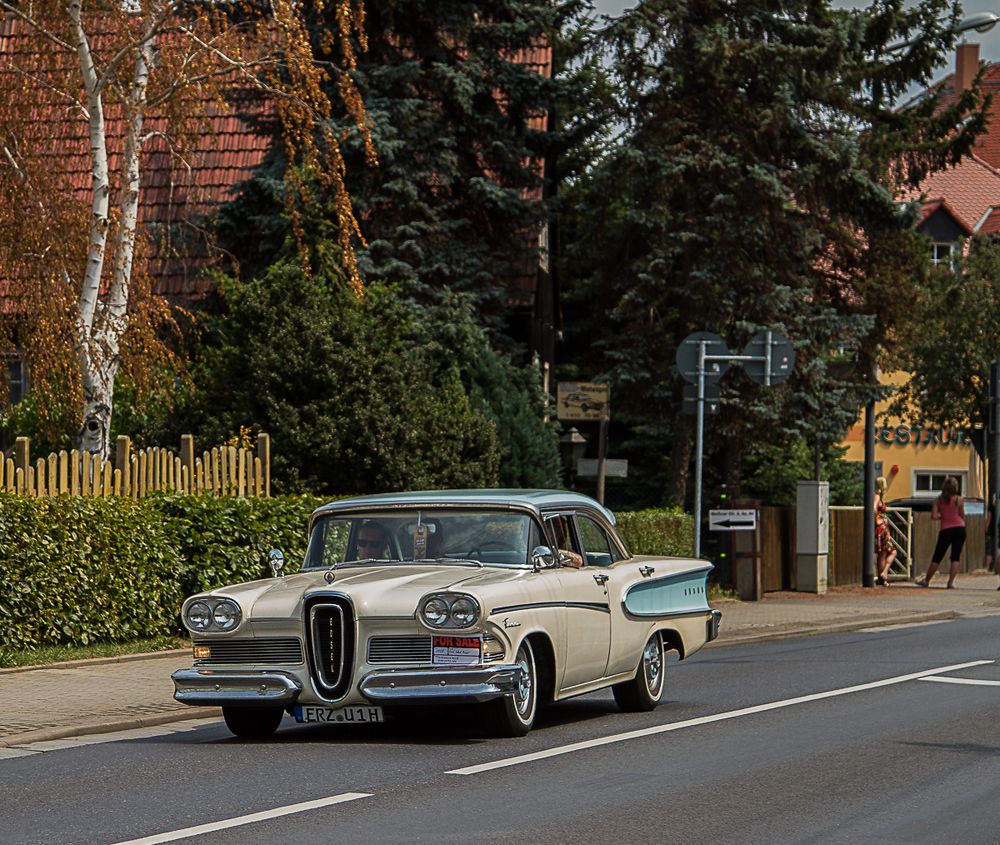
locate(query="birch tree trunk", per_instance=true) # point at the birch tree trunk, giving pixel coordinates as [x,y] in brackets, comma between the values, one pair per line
[101,324]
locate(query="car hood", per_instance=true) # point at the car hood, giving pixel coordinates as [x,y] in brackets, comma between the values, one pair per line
[374,591]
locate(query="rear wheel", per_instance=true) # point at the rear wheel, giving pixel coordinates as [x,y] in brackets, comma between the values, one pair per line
[252,722]
[514,714]
[643,692]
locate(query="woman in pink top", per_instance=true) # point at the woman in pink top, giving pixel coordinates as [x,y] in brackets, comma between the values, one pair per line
[949,508]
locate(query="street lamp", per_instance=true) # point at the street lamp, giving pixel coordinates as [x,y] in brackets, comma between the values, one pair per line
[980,22]
[573,446]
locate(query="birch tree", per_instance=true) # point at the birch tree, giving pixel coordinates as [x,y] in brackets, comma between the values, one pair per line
[86,88]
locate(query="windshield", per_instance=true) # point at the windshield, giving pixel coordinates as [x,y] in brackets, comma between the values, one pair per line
[488,537]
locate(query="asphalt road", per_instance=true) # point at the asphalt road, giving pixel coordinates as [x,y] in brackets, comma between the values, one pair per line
[832,739]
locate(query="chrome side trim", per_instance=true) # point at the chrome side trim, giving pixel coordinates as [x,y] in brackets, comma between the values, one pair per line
[671,614]
[453,684]
[218,687]
[583,605]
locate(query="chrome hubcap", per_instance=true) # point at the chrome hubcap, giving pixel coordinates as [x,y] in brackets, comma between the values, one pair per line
[652,658]
[524,685]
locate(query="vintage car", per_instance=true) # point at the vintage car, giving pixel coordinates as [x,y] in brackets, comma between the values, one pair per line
[506,599]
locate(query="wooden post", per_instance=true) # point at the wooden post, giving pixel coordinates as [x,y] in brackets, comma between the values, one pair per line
[264,453]
[123,452]
[187,459]
[63,472]
[52,472]
[22,454]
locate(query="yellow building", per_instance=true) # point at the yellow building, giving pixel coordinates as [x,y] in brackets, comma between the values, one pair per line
[915,459]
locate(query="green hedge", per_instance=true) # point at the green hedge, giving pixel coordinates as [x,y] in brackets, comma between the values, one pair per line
[657,532]
[75,571]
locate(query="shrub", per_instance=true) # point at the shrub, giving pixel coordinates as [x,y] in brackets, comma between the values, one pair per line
[657,532]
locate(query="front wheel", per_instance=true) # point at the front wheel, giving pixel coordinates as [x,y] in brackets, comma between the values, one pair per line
[252,722]
[643,692]
[514,714]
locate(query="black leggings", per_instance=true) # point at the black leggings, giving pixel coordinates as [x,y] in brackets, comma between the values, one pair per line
[954,537]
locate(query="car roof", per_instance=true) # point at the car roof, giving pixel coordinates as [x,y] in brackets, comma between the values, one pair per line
[535,500]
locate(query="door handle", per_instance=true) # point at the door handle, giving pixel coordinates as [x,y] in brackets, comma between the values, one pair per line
[601,578]
[646,571]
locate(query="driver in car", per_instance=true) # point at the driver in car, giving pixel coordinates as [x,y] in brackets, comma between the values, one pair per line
[372,542]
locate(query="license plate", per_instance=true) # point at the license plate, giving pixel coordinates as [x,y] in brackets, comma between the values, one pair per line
[458,651]
[349,715]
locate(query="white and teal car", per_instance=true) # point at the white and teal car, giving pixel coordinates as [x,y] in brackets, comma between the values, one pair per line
[508,599]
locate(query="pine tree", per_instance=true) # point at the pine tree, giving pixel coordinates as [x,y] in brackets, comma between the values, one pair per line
[754,187]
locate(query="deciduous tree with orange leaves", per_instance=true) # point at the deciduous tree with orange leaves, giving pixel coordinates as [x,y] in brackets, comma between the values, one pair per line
[87,90]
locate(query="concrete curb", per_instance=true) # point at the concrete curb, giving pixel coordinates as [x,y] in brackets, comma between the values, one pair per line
[98,661]
[48,734]
[834,628]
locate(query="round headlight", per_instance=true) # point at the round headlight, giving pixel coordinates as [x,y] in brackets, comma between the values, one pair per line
[463,612]
[435,612]
[199,616]
[226,615]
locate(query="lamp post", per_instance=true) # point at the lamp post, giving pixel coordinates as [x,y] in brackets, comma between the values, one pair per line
[573,446]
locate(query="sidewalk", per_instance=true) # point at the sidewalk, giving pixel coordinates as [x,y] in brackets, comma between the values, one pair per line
[113,694]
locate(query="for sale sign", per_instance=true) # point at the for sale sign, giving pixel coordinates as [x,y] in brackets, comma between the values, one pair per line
[458,651]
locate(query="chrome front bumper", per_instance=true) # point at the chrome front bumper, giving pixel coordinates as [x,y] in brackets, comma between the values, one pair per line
[218,687]
[458,685]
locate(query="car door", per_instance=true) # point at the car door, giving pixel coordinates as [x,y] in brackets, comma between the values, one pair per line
[586,637]
[602,554]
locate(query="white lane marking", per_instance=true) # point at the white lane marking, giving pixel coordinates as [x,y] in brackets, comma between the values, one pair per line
[277,812]
[882,628]
[971,681]
[704,720]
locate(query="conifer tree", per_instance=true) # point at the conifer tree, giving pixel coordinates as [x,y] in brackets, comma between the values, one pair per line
[755,186]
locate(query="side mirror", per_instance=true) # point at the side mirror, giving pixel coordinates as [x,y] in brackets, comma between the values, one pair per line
[277,561]
[542,558]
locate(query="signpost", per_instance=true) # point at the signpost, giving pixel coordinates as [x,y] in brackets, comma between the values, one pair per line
[732,520]
[702,359]
[582,401]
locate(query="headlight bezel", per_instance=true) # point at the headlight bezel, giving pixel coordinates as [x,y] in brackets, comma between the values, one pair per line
[450,623]
[213,604]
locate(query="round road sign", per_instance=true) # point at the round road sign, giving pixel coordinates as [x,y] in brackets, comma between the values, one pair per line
[687,356]
[780,364]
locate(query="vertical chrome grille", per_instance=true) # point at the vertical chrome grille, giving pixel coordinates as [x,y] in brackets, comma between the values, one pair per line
[331,644]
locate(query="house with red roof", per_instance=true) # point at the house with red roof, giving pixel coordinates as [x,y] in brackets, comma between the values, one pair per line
[915,456]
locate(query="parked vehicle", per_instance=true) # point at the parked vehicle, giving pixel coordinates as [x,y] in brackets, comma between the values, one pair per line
[446,597]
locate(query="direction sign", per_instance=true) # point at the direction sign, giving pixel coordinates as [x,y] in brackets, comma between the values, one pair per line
[732,520]
[782,360]
[613,467]
[581,400]
[713,398]
[687,356]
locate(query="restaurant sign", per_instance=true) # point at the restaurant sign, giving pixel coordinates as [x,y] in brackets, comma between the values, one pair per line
[915,435]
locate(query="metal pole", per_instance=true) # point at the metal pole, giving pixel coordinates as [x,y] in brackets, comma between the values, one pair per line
[699,438]
[868,557]
[993,451]
[602,456]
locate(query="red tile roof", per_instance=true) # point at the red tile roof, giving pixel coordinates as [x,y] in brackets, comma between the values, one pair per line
[968,191]
[174,188]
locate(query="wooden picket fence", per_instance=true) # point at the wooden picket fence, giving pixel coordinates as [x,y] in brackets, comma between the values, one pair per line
[222,471]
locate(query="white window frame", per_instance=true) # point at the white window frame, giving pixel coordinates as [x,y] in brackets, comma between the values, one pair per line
[961,474]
